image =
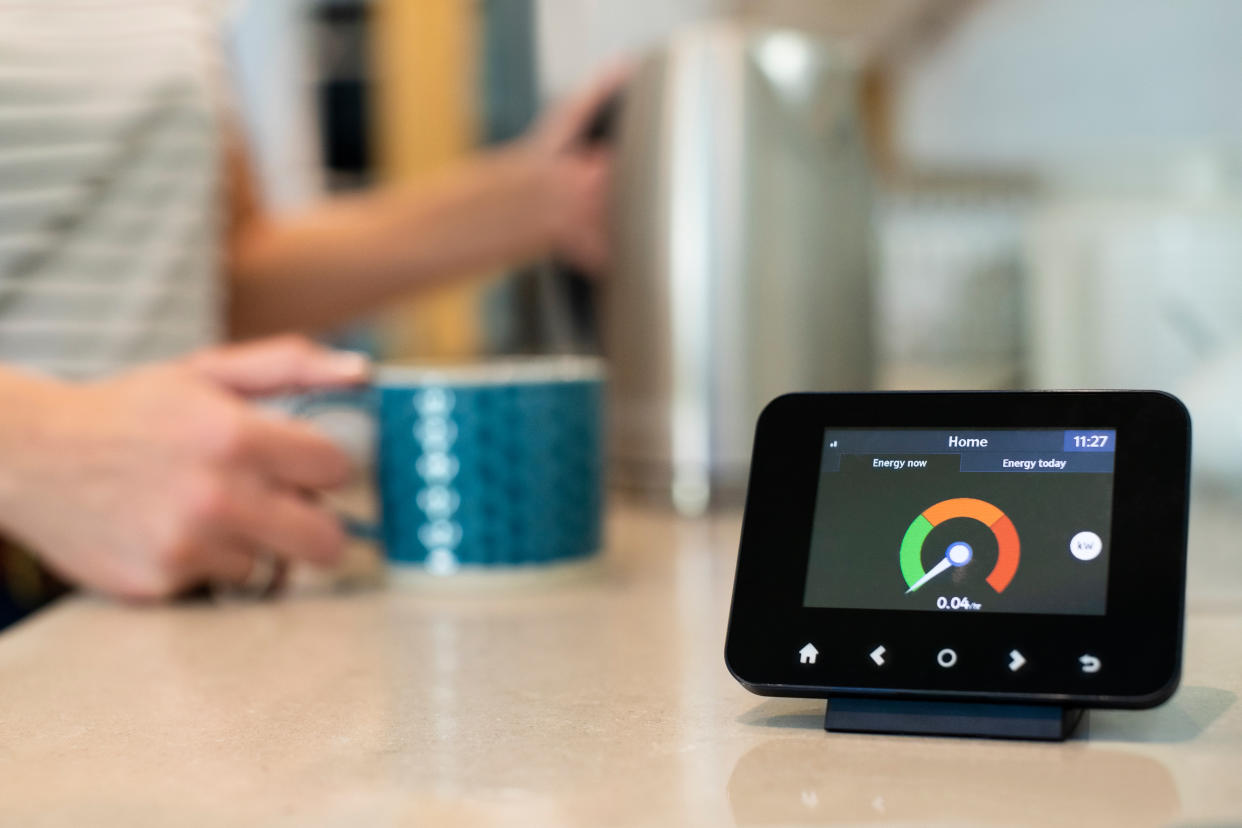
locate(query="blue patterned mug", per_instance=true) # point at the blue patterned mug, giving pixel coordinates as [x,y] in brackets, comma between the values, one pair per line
[498,463]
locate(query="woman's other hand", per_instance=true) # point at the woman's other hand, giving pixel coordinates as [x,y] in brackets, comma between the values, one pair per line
[166,477]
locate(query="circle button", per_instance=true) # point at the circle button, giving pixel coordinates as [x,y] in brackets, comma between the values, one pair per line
[946,658]
[1086,546]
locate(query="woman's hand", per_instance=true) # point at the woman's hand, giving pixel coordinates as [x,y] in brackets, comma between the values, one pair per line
[575,176]
[164,478]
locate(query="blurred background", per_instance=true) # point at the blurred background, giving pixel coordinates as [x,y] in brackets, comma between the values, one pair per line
[810,195]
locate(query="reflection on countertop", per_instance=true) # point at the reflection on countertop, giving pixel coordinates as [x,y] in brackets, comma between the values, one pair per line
[862,780]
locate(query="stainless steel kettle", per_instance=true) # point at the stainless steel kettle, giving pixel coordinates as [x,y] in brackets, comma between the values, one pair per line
[743,239]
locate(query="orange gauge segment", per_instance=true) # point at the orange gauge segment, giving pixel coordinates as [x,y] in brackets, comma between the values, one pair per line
[957,507]
[1007,544]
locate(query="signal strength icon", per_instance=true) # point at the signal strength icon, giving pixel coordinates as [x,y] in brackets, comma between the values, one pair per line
[833,444]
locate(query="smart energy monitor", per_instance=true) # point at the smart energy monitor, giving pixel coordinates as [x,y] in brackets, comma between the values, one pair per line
[1009,547]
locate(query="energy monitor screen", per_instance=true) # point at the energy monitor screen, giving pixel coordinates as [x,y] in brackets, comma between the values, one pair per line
[980,520]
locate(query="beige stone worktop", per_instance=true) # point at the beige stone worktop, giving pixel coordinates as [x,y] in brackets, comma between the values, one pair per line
[599,701]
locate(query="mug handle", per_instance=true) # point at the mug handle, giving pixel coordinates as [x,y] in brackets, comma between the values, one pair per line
[360,398]
[360,528]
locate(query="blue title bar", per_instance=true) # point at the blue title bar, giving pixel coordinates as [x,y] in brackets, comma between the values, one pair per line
[940,441]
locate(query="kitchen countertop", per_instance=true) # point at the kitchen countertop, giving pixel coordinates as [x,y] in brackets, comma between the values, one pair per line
[598,699]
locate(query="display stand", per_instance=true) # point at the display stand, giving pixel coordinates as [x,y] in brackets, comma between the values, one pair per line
[931,718]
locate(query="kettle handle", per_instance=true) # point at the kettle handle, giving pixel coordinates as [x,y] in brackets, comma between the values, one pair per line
[574,290]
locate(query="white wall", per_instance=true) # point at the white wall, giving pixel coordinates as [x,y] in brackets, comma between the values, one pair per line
[1037,83]
[578,37]
[272,71]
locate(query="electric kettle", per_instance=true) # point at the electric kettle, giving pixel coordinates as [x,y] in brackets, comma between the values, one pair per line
[742,264]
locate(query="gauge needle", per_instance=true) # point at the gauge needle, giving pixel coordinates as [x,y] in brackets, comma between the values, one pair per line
[944,564]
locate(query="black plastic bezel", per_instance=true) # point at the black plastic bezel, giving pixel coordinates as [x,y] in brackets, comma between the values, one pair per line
[1139,639]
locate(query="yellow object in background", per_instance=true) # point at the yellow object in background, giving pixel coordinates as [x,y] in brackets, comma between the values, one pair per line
[425,66]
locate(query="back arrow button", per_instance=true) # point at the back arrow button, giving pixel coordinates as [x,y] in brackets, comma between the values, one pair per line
[877,655]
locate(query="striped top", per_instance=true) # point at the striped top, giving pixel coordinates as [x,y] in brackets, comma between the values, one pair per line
[110,182]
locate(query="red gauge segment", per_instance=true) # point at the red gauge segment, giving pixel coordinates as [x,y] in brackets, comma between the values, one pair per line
[1007,553]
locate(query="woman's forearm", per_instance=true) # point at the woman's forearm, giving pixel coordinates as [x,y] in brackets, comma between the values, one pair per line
[349,255]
